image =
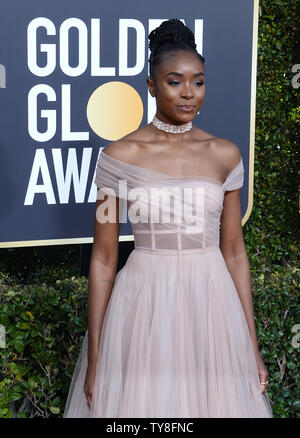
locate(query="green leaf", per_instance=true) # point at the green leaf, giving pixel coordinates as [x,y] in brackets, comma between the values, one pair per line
[19,346]
[22,415]
[16,396]
[23,325]
[55,410]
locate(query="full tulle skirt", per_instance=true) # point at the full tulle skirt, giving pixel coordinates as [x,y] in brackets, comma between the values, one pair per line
[174,343]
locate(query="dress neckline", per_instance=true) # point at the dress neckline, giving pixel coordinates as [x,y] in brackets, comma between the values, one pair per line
[165,175]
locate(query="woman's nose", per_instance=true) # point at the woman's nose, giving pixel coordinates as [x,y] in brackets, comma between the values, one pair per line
[187,91]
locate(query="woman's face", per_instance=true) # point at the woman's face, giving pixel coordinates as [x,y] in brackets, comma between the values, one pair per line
[179,81]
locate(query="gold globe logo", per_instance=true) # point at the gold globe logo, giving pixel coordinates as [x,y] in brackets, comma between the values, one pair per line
[114,110]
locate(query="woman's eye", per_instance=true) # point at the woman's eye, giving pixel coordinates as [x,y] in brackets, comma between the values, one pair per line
[176,83]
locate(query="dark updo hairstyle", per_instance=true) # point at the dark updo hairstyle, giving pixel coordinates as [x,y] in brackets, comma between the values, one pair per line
[171,35]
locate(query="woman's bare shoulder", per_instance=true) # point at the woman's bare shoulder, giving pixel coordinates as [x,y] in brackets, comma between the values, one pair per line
[120,149]
[126,147]
[227,152]
[224,150]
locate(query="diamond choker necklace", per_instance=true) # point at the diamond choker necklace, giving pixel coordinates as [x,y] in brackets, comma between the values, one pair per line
[174,129]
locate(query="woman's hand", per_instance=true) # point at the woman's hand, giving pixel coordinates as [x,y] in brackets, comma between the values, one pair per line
[89,383]
[262,372]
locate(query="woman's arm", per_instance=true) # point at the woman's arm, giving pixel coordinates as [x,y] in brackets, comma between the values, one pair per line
[233,248]
[234,252]
[103,266]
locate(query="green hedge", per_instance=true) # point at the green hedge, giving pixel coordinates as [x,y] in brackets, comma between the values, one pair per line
[272,233]
[45,326]
[43,299]
[44,331]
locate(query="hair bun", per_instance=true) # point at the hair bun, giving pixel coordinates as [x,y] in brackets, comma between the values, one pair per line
[171,31]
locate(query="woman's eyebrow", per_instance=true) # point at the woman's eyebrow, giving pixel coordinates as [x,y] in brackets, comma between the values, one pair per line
[176,73]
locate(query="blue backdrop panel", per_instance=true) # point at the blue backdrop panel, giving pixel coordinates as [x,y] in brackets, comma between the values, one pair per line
[35,90]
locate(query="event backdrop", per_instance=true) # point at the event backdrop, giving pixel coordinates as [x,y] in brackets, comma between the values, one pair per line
[73,79]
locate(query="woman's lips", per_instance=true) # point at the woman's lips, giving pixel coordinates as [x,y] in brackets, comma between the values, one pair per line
[186,108]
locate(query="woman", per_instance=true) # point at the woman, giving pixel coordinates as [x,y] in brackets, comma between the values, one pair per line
[173,333]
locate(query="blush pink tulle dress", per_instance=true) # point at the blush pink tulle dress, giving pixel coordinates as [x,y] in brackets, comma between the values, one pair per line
[174,341]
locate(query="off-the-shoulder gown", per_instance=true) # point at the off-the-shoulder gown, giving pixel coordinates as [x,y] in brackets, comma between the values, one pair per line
[175,341]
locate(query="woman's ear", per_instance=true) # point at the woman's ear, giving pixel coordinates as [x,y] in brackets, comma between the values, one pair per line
[151,86]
